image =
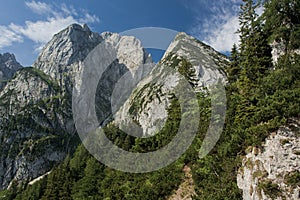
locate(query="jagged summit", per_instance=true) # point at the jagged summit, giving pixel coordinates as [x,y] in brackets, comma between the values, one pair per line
[9,61]
[196,51]
[8,67]
[209,65]
[61,57]
[69,46]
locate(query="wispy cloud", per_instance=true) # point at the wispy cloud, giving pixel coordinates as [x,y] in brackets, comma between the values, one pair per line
[56,17]
[39,7]
[88,18]
[8,37]
[218,27]
[219,24]
[42,31]
[223,35]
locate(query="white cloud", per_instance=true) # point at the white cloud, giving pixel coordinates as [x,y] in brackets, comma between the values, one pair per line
[7,37]
[223,36]
[69,10]
[39,7]
[88,18]
[218,28]
[42,31]
[57,17]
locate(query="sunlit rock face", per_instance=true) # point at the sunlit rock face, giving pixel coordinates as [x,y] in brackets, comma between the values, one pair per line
[273,171]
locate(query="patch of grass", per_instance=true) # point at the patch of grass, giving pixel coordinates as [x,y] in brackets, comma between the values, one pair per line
[271,189]
[293,179]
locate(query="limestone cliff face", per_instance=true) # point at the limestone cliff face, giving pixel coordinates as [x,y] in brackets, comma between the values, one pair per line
[61,57]
[37,129]
[8,67]
[274,171]
[279,49]
[35,132]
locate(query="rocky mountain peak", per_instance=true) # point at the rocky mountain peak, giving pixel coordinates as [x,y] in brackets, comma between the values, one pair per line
[41,118]
[197,52]
[8,67]
[9,61]
[208,64]
[67,47]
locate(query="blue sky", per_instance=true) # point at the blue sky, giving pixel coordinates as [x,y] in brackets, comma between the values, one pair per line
[25,26]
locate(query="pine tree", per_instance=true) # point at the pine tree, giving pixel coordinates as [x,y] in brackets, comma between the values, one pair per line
[234,69]
[59,182]
[283,21]
[255,53]
[89,186]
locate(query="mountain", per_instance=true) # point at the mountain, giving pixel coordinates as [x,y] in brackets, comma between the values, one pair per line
[80,75]
[37,129]
[185,59]
[8,67]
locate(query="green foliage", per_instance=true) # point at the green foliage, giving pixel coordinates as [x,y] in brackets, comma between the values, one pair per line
[40,74]
[183,66]
[282,20]
[293,179]
[32,192]
[88,187]
[234,69]
[260,99]
[270,189]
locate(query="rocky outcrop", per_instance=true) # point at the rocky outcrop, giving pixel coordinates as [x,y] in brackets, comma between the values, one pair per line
[186,189]
[29,86]
[279,49]
[274,171]
[8,67]
[209,65]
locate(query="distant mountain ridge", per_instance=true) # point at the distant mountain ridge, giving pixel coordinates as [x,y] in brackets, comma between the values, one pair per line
[8,67]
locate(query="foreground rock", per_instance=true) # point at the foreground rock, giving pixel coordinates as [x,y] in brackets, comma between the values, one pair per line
[274,171]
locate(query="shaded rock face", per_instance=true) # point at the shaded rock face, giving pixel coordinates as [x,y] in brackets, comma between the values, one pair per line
[273,172]
[8,67]
[37,129]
